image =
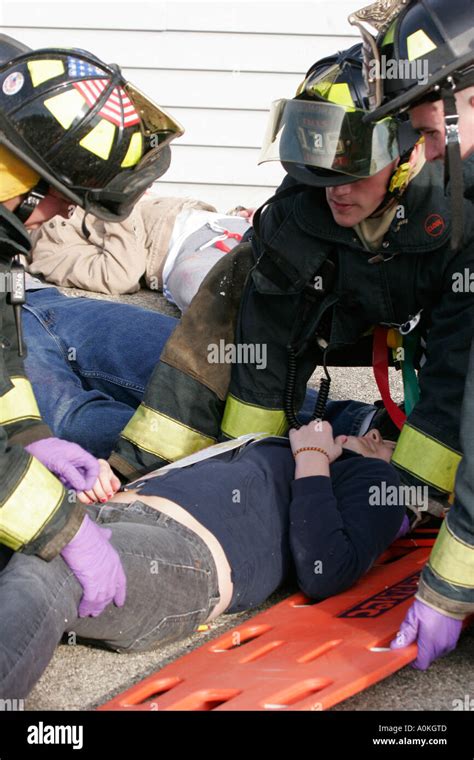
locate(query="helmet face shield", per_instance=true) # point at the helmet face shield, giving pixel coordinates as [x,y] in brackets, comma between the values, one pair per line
[327,136]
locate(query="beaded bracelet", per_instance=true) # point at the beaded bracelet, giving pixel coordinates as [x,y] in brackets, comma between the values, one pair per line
[311,448]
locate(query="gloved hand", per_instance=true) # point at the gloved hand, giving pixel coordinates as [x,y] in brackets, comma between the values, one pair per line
[97,567]
[74,467]
[436,634]
[404,528]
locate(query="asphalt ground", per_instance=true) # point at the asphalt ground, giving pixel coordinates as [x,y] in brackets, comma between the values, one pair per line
[82,677]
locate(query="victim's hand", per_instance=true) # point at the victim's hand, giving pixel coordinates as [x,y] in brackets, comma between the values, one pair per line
[106,485]
[317,433]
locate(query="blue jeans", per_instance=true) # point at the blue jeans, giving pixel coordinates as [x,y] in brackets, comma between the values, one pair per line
[39,600]
[89,362]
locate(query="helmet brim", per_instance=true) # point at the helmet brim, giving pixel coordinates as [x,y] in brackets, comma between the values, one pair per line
[317,177]
[417,92]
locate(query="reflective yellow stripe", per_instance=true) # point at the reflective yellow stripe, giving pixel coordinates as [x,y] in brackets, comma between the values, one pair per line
[162,436]
[32,504]
[41,71]
[336,93]
[241,418]
[451,559]
[390,36]
[419,44]
[100,139]
[426,458]
[19,403]
[66,106]
[134,151]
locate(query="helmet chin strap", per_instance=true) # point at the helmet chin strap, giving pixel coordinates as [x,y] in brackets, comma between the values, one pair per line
[17,297]
[453,164]
[31,201]
[396,187]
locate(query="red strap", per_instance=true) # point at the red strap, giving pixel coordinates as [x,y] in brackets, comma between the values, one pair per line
[380,366]
[222,246]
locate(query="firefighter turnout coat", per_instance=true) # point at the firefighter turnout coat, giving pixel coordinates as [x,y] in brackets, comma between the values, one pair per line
[255,296]
[37,515]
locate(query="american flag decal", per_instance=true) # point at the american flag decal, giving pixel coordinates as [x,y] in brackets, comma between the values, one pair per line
[118,108]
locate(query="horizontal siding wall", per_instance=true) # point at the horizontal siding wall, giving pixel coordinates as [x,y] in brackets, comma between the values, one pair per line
[216,66]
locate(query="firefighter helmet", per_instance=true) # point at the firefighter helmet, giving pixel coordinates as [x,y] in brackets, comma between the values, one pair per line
[321,137]
[81,126]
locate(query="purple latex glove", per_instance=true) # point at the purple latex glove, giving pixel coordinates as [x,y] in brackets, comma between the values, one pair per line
[436,634]
[404,528]
[97,567]
[74,467]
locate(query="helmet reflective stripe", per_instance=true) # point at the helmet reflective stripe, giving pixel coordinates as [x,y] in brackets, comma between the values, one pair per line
[135,150]
[338,93]
[419,44]
[100,139]
[42,71]
[66,107]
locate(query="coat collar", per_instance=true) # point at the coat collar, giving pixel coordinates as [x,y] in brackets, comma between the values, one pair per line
[422,224]
[13,235]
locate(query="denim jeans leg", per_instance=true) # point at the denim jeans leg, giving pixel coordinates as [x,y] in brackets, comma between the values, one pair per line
[89,362]
[36,598]
[172,587]
[172,582]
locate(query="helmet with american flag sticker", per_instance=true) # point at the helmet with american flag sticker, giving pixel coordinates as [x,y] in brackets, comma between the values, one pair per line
[82,127]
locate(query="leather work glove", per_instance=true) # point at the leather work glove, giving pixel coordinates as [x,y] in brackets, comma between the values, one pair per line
[74,467]
[97,567]
[435,633]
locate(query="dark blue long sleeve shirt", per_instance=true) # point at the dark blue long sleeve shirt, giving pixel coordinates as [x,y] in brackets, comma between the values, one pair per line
[266,521]
[337,528]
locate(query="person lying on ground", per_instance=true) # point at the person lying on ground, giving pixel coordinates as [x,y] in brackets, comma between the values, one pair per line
[166,244]
[216,536]
[89,360]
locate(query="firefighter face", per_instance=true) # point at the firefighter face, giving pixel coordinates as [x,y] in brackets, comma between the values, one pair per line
[351,204]
[428,119]
[54,204]
[369,445]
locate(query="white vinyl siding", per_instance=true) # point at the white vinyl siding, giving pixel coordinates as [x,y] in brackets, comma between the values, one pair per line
[216,66]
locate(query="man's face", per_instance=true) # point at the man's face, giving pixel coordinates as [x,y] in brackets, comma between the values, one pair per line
[351,204]
[428,119]
[54,204]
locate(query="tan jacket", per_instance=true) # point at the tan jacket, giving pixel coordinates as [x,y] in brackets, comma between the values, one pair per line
[117,254]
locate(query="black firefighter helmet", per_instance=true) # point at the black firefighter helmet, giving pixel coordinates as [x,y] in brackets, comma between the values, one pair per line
[320,136]
[431,43]
[82,127]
